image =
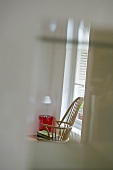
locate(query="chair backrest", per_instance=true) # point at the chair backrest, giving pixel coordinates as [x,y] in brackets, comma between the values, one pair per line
[70,116]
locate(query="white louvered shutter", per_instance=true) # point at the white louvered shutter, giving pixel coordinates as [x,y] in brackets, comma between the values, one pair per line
[80,72]
[80,77]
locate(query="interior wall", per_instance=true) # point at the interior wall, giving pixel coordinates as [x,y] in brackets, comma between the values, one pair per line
[47,74]
[99,92]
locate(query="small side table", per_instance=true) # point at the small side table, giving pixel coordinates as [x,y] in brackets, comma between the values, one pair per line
[46,119]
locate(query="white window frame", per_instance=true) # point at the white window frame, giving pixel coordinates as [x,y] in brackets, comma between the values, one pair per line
[73,53]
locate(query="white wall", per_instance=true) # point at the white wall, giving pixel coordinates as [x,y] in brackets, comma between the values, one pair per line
[98,121]
[20,62]
[47,75]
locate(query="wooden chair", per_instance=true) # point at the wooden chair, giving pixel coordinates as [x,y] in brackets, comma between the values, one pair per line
[62,131]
